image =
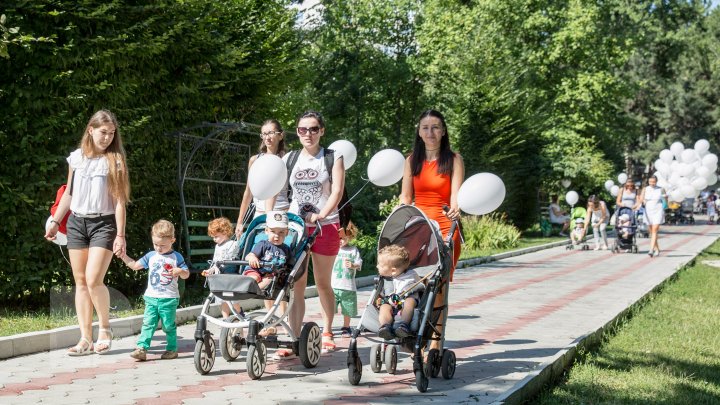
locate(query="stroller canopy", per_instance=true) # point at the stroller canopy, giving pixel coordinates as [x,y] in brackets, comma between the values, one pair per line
[408,226]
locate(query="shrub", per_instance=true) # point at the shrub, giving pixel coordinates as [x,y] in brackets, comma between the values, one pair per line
[489,232]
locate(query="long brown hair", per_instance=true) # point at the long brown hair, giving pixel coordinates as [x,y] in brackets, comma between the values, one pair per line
[446,155]
[118,179]
[281,144]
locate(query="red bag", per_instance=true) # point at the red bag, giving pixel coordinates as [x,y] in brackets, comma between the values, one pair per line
[58,196]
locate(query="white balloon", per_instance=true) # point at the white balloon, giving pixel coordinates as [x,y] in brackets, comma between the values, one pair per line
[386,167]
[481,193]
[676,195]
[683,180]
[676,148]
[267,176]
[687,191]
[609,184]
[702,145]
[666,156]
[347,150]
[572,198]
[699,183]
[662,183]
[622,178]
[614,190]
[688,155]
[60,238]
[674,166]
[711,166]
[674,178]
[709,160]
[712,179]
[686,170]
[702,171]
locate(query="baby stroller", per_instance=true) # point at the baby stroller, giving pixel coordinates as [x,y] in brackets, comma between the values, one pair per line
[431,258]
[577,218]
[625,234]
[238,287]
[686,211]
[642,227]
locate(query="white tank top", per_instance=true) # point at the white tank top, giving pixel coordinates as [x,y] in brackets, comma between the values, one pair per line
[90,191]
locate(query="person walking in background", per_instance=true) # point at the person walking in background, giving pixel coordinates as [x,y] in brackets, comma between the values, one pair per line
[652,197]
[162,295]
[272,142]
[710,205]
[316,193]
[597,216]
[431,180]
[97,193]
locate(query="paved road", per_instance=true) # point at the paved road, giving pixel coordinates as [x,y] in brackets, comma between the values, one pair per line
[509,320]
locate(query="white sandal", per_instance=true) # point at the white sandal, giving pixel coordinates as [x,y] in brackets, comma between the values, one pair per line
[106,342]
[83,348]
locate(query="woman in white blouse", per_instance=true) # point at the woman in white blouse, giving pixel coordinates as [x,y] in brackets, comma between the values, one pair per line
[98,189]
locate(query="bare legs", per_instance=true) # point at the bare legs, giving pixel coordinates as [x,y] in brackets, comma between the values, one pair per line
[89,268]
[654,238]
[322,268]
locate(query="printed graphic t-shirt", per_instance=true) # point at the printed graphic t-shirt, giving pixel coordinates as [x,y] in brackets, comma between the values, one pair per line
[161,283]
[275,254]
[342,278]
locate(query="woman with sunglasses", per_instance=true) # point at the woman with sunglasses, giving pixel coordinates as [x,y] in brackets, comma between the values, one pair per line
[315,196]
[272,142]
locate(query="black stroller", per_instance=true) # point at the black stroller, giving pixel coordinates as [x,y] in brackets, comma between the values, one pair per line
[431,258]
[687,208]
[625,231]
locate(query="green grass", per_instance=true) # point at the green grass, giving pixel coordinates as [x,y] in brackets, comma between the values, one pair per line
[667,352]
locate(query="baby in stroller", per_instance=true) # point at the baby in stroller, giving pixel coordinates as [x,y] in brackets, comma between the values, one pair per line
[274,267]
[392,263]
[625,229]
[430,257]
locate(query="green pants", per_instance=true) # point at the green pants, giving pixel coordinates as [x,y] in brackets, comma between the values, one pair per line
[155,309]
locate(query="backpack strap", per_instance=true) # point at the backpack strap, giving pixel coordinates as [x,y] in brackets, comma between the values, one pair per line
[329,156]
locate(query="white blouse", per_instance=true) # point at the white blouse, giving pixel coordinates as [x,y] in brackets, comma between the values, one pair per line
[90,190]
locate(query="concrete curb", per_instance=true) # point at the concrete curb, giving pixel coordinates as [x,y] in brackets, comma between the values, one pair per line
[67,336]
[553,369]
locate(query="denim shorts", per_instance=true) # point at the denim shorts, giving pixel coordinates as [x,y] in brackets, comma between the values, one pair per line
[85,233]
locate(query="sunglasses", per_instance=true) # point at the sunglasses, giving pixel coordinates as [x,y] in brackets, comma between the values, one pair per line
[305,130]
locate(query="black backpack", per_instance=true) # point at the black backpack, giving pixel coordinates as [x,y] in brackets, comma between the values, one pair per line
[329,155]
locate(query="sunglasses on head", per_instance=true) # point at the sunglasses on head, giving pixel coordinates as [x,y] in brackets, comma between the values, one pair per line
[305,130]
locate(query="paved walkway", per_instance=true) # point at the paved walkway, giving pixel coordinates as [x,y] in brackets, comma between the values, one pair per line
[510,321]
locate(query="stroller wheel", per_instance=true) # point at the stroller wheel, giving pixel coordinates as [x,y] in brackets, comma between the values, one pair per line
[204,355]
[355,370]
[375,358]
[448,364]
[256,360]
[421,380]
[310,345]
[391,359]
[231,341]
[432,367]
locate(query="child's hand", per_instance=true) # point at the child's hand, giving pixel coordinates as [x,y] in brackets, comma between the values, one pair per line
[254,262]
[347,264]
[176,271]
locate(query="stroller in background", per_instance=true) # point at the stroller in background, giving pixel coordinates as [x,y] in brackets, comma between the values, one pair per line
[238,287]
[431,258]
[673,213]
[577,213]
[686,211]
[626,242]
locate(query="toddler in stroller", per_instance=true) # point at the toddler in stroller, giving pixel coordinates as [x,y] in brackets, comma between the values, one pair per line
[431,258]
[625,230]
[278,279]
[577,236]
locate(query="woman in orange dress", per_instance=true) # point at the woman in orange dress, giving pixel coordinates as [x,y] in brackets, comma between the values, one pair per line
[431,179]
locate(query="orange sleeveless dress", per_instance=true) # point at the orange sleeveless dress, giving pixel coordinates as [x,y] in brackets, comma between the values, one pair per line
[432,192]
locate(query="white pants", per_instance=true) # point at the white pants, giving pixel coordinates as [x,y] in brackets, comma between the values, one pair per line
[601,230]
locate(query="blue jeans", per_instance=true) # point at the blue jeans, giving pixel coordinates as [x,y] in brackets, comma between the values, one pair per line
[159,309]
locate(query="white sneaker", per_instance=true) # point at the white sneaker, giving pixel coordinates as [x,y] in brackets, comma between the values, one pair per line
[597,248]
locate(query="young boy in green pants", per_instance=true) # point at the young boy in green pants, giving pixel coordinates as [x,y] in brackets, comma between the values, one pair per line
[162,295]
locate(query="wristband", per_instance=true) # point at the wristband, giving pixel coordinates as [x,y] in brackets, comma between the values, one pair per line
[120,236]
[53,220]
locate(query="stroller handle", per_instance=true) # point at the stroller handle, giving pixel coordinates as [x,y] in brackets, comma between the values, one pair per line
[267,265]
[453,227]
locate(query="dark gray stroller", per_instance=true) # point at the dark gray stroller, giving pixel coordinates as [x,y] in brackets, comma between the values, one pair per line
[625,234]
[431,258]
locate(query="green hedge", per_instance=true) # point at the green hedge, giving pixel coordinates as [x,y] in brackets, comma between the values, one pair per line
[159,66]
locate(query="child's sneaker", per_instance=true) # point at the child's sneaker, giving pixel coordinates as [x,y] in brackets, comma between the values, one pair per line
[345,330]
[386,332]
[402,331]
[139,354]
[169,355]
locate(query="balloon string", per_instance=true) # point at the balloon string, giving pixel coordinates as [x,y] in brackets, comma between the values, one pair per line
[354,195]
